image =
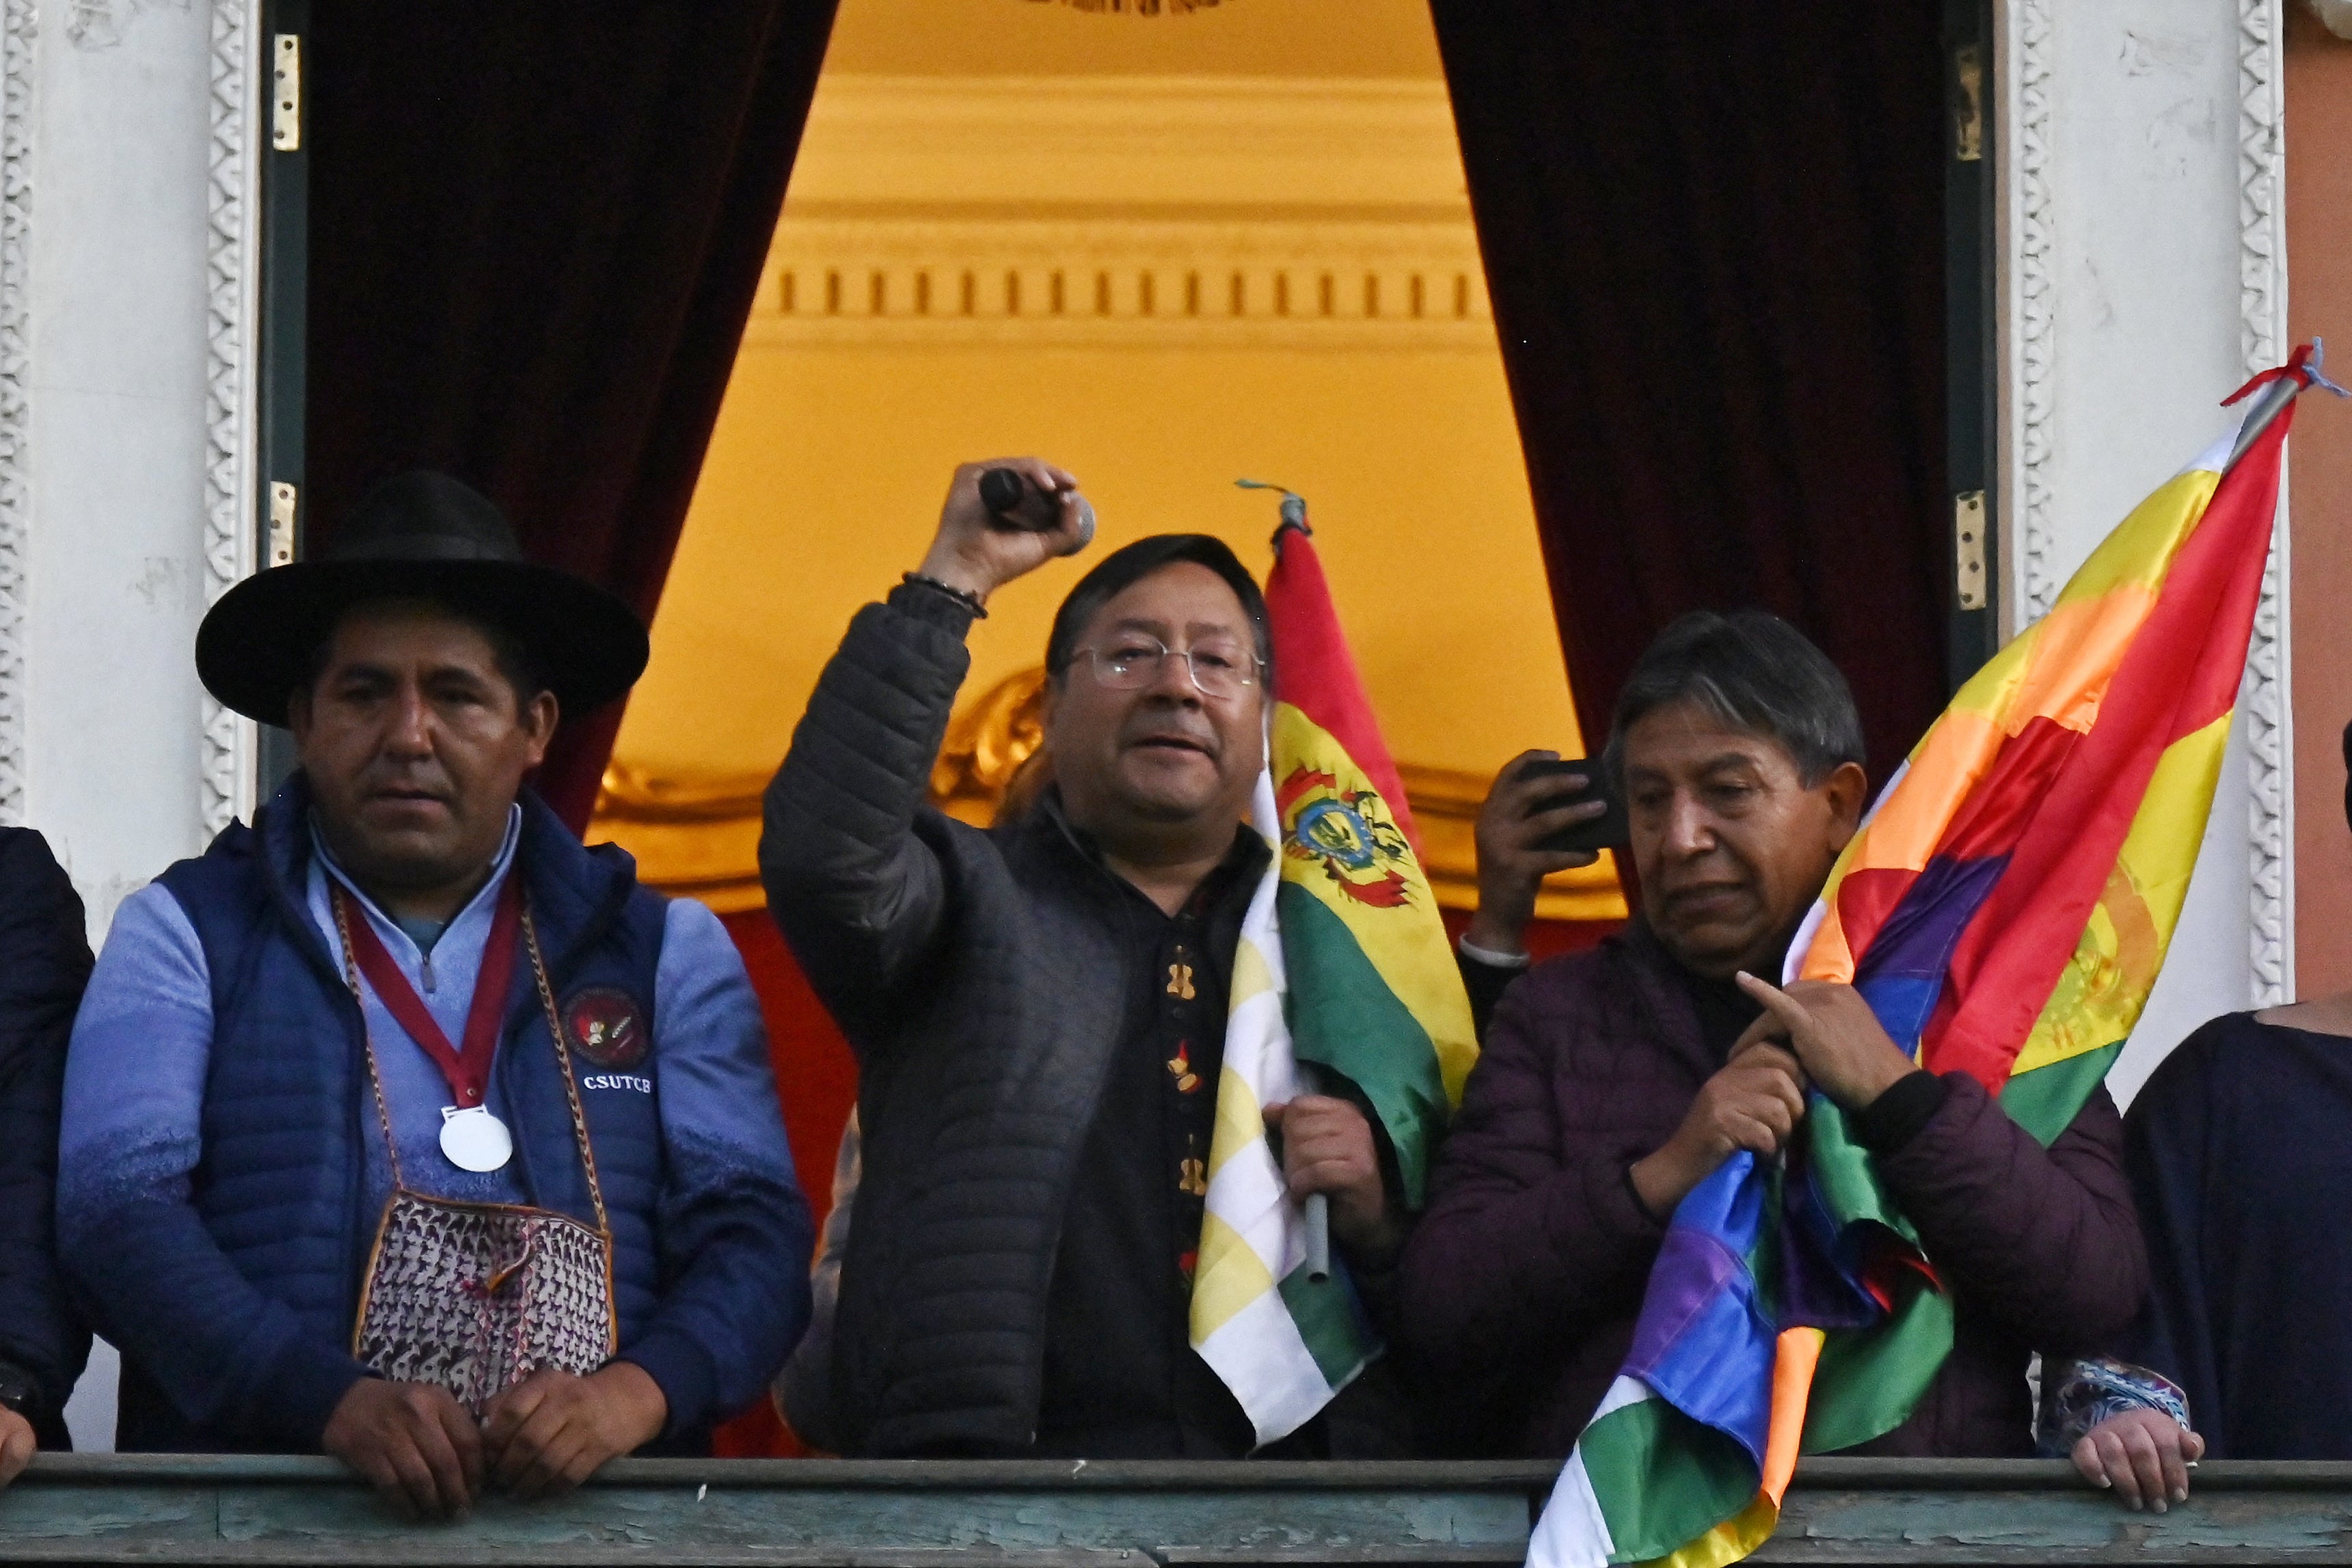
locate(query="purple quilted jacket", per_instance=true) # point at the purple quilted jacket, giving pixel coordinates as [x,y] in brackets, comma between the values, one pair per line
[1524,1276]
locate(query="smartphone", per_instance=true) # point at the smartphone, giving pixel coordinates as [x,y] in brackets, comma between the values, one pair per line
[1606,831]
[1013,503]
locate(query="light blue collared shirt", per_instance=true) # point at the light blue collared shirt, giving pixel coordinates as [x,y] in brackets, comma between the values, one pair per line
[414,1090]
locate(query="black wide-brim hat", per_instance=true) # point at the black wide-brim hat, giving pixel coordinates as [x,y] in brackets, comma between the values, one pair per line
[420,535]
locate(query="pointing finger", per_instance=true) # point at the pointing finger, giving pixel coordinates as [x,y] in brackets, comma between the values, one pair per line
[1793,1014]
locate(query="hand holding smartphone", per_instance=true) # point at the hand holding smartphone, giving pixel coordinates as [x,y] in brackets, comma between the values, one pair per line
[1544,815]
[1580,779]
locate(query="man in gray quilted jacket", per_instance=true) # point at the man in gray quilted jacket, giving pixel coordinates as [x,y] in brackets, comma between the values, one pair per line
[1039,1009]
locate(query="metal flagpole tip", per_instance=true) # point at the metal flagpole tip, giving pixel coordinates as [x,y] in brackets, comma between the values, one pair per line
[1294,505]
[2272,390]
[2311,368]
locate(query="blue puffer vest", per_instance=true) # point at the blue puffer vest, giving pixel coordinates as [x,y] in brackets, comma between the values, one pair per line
[280,1183]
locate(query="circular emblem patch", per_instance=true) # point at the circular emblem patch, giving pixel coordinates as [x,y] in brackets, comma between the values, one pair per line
[606,1027]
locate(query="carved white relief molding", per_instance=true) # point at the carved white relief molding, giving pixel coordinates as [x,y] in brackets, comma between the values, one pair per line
[2266,695]
[2035,318]
[226,765]
[19,33]
[94,25]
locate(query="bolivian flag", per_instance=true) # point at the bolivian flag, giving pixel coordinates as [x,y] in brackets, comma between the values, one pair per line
[1343,964]
[2004,910]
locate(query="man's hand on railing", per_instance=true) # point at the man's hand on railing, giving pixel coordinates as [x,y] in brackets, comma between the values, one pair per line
[2144,1455]
[411,1441]
[552,1430]
[16,1445]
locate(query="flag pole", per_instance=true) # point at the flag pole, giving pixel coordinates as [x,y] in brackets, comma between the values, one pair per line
[1314,1212]
[2275,390]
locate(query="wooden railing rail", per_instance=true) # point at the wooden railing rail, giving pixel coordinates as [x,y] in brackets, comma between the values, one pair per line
[220,1510]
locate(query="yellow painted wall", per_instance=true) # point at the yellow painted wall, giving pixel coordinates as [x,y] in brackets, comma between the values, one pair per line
[825,482]
[1326,39]
[1253,220]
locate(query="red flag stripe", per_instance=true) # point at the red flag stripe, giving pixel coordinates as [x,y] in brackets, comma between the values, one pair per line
[2001,807]
[2179,674]
[1314,672]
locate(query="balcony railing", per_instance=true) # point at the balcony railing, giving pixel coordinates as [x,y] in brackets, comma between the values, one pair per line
[159,1510]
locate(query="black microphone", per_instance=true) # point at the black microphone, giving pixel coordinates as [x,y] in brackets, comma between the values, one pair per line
[1013,503]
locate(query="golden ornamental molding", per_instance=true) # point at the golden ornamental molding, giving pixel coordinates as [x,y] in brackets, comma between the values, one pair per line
[1136,8]
[1285,145]
[1158,212]
[1358,282]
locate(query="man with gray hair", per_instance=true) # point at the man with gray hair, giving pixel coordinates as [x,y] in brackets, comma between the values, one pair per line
[1615,1080]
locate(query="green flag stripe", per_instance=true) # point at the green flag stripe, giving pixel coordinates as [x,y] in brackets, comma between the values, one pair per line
[1343,1016]
[1663,1479]
[2045,1100]
[1843,1173]
[1331,1323]
[1869,1380]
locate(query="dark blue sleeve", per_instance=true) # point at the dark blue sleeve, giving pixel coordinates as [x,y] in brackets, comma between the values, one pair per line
[44,965]
[734,1231]
[131,1244]
[2167,1154]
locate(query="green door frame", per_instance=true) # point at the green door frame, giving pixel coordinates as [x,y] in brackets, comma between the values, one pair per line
[1972,379]
[284,327]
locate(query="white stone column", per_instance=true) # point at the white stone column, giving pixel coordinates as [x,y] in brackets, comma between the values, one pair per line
[126,355]
[2144,278]
[123,424]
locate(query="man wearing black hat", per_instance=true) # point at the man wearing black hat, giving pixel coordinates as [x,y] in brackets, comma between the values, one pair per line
[399,1125]
[1039,1010]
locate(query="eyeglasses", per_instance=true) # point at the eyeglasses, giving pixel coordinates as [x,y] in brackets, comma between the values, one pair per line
[1135,663]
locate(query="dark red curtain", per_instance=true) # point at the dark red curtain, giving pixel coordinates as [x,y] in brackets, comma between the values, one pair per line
[1714,236]
[536,231]
[817,1077]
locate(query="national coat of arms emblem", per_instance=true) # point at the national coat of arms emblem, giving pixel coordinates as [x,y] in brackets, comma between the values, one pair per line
[1349,831]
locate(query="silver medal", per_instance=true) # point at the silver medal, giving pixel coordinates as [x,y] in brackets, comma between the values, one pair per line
[474,1139]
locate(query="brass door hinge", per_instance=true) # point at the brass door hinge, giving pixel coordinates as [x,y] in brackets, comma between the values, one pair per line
[281,524]
[1968,103]
[1969,548]
[286,92]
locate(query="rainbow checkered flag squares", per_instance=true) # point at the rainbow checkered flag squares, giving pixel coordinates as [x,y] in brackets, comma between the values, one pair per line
[2004,910]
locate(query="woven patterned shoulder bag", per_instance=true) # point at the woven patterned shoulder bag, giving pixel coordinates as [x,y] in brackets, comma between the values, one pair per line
[476,1296]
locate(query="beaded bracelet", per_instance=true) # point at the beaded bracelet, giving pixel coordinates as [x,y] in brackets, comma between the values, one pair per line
[969,600]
